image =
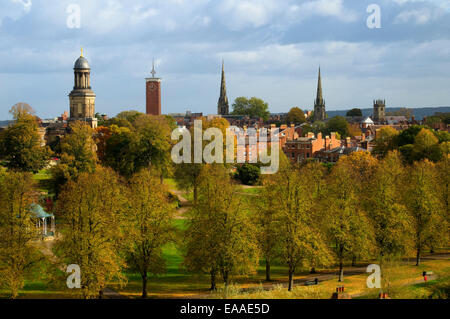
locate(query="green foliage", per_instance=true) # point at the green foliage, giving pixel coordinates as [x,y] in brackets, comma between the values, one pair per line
[145,145]
[20,144]
[296,116]
[17,230]
[220,237]
[248,174]
[148,226]
[354,112]
[338,124]
[91,212]
[253,107]
[78,154]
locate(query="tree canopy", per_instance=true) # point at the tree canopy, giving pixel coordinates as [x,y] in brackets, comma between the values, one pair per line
[253,107]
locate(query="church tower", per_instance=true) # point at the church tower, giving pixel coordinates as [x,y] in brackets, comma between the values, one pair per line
[223,106]
[82,98]
[379,111]
[319,103]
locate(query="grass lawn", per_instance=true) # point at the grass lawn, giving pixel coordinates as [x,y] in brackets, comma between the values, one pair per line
[44,180]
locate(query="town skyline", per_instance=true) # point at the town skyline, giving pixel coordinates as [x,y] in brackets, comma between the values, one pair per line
[404,62]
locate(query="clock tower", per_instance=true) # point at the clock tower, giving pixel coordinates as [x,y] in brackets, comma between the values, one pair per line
[153,93]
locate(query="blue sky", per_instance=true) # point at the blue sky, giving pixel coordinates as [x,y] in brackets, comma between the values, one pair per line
[272,50]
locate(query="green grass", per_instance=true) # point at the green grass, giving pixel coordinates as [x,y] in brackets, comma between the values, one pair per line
[44,180]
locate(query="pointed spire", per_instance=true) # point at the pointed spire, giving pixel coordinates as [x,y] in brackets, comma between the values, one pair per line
[319,88]
[153,68]
[223,106]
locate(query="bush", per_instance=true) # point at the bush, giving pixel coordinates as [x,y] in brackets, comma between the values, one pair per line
[248,174]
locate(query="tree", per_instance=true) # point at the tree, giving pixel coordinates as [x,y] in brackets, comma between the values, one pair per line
[220,237]
[385,141]
[20,109]
[149,225]
[145,145]
[424,206]
[253,107]
[354,112]
[91,211]
[354,130]
[187,175]
[248,174]
[348,226]
[338,124]
[388,214]
[21,145]
[17,229]
[426,145]
[296,116]
[130,116]
[300,240]
[78,154]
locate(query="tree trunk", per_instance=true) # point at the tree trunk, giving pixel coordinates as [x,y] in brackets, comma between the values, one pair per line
[313,270]
[226,280]
[144,286]
[353,261]
[100,294]
[213,281]
[341,269]
[268,270]
[291,280]
[418,257]
[195,195]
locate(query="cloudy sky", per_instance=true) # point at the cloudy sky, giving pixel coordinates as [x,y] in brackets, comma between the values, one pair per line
[272,49]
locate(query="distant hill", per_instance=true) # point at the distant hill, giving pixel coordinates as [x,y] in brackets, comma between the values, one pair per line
[419,113]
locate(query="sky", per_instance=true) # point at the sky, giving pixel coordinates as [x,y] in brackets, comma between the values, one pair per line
[272,50]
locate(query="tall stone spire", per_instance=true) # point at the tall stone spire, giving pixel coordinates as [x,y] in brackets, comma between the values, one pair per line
[319,103]
[319,98]
[223,106]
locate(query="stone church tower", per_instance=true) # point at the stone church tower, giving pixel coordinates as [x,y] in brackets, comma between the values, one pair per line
[223,106]
[319,103]
[82,98]
[379,111]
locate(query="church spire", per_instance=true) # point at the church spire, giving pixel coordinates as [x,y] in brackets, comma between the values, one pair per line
[223,106]
[319,98]
[319,104]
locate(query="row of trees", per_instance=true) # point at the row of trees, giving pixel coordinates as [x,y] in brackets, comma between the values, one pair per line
[310,217]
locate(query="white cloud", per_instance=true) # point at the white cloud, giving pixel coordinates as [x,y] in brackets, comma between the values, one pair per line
[418,16]
[14,9]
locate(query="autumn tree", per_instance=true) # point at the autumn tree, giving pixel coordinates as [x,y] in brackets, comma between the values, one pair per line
[349,228]
[385,141]
[17,229]
[426,145]
[21,145]
[149,227]
[91,210]
[187,175]
[300,239]
[296,116]
[220,237]
[388,214]
[425,208]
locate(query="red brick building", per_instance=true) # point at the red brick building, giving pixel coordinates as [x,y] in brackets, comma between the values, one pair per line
[304,148]
[153,94]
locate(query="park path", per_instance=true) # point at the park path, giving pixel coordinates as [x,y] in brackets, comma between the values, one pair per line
[325,276]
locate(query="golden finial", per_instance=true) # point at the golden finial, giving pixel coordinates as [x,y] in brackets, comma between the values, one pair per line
[81,51]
